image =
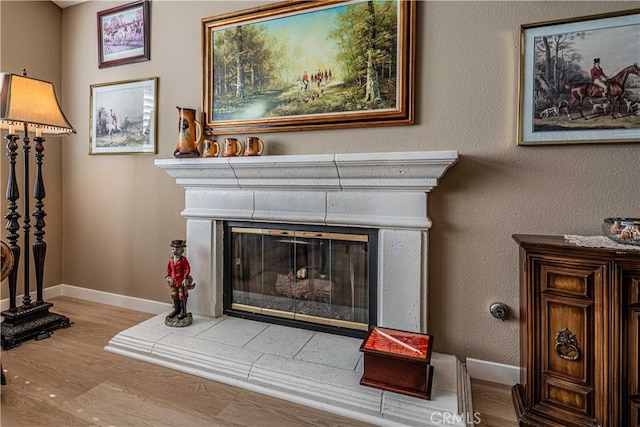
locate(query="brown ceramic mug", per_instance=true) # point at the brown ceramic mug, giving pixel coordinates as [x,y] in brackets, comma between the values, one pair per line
[210,148]
[232,147]
[253,146]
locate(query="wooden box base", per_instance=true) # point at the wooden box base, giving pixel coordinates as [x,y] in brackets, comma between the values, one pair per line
[398,361]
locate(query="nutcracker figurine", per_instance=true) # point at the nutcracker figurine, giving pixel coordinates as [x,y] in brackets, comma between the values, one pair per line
[178,277]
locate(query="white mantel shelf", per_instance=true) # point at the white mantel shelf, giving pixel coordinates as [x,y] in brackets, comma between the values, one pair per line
[366,190]
[393,171]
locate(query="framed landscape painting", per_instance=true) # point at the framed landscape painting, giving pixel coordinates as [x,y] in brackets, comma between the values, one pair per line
[580,80]
[123,117]
[123,34]
[301,65]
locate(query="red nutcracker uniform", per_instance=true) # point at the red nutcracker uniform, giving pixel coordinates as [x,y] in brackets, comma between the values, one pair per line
[178,270]
[178,277]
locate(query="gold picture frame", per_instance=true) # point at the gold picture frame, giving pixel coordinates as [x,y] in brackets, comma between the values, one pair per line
[300,65]
[123,117]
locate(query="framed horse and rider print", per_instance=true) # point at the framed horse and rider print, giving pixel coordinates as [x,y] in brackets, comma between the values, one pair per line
[299,65]
[580,80]
[123,117]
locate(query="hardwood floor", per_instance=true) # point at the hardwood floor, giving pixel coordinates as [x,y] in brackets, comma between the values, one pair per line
[492,403]
[69,380]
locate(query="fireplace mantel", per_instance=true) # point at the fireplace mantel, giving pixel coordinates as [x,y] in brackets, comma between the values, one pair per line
[370,189]
[405,171]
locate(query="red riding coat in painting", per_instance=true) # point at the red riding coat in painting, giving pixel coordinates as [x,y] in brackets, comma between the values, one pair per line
[598,76]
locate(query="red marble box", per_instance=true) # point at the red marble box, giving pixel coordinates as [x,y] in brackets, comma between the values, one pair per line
[398,361]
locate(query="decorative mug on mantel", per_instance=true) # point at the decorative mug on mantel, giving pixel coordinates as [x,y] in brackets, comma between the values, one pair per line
[189,134]
[253,146]
[210,148]
[232,147]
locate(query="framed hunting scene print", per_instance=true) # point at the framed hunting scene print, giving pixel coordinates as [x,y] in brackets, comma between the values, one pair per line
[580,80]
[300,65]
[123,34]
[123,117]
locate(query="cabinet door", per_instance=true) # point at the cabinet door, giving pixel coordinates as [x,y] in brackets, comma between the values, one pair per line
[570,339]
[631,346]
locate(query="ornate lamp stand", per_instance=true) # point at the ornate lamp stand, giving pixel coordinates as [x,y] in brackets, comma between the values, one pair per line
[31,319]
[32,104]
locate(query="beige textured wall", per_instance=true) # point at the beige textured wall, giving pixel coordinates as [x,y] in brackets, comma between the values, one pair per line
[120,212]
[30,37]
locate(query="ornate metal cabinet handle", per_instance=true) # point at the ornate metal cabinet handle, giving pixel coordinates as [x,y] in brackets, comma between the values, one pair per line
[567,345]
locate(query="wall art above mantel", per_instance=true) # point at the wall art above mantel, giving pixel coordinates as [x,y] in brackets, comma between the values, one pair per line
[301,65]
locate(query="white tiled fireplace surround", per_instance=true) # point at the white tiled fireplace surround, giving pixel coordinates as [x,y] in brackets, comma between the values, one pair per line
[384,191]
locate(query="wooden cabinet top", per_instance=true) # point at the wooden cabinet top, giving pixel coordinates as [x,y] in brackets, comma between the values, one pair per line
[559,243]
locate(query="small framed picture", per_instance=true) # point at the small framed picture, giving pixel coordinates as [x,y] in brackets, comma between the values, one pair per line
[123,34]
[123,117]
[580,80]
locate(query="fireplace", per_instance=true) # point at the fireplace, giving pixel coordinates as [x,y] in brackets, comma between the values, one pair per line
[316,200]
[384,192]
[312,277]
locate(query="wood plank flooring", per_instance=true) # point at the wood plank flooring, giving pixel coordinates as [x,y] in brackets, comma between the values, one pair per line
[69,380]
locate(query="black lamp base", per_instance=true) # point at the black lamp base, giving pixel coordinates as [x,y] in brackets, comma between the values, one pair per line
[32,321]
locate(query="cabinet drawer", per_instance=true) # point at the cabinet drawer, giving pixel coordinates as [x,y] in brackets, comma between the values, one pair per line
[576,282]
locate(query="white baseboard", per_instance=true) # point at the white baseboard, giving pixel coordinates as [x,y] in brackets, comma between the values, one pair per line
[494,372]
[133,303]
[47,293]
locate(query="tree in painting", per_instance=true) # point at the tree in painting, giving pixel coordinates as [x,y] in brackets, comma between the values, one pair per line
[335,60]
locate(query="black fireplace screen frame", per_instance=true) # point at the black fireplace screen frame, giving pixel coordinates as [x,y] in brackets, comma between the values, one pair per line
[372,262]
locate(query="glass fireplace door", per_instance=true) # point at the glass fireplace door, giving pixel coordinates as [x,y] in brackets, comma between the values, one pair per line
[308,276]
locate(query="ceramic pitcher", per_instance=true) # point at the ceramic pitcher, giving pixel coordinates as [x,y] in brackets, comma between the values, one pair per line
[189,133]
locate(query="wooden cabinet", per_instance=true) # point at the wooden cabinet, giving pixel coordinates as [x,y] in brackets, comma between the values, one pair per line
[579,335]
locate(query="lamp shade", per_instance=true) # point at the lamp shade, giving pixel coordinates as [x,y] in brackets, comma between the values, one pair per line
[31,102]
